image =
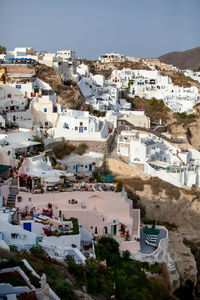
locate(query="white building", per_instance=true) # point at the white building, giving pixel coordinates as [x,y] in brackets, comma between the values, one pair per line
[17,236]
[82,165]
[192,74]
[2,122]
[18,142]
[101,94]
[112,57]
[11,99]
[74,124]
[157,157]
[66,55]
[135,118]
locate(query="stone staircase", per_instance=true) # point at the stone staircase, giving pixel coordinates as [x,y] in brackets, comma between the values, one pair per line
[12,196]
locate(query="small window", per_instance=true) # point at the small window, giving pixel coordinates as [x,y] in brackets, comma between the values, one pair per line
[86,166]
[114,221]
[81,123]
[45,109]
[91,227]
[76,128]
[9,96]
[46,123]
[82,166]
[85,128]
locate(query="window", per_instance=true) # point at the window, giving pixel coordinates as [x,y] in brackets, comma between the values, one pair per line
[85,128]
[86,166]
[105,229]
[114,221]
[76,128]
[8,95]
[81,123]
[46,123]
[14,235]
[91,227]
[82,166]
[45,109]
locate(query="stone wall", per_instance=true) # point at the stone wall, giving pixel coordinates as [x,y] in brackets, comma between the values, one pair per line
[94,146]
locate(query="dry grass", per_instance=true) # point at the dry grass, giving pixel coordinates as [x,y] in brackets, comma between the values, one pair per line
[157,186]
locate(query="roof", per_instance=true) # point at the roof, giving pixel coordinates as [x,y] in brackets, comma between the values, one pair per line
[4,167]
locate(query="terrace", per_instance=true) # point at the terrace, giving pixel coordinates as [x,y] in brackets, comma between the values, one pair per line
[149,249]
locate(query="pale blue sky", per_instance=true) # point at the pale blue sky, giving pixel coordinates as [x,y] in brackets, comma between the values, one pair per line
[141,28]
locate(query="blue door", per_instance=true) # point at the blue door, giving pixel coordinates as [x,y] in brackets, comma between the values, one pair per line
[80,129]
[90,167]
[55,109]
[76,168]
[27,226]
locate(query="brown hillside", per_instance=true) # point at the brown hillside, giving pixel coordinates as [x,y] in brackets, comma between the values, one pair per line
[107,68]
[189,59]
[69,96]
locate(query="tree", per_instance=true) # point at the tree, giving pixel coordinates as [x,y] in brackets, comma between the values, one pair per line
[2,49]
[107,249]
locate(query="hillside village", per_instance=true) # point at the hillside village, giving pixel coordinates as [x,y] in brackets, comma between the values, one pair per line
[79,140]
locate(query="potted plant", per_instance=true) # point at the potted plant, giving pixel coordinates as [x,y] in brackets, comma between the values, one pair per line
[19,198]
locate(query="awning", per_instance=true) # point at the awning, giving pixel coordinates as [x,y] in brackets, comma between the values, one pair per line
[52,179]
[108,178]
[4,167]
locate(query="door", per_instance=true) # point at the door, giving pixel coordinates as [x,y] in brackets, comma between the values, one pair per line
[80,129]
[27,226]
[113,229]
[90,167]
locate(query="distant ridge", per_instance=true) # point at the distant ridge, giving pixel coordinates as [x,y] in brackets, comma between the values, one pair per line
[189,59]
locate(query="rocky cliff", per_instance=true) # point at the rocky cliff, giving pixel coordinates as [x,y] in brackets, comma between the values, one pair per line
[164,202]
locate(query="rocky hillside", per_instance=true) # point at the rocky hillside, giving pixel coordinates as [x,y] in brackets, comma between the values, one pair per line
[176,208]
[189,59]
[106,68]
[69,96]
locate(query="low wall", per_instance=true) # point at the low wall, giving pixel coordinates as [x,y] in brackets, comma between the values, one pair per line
[94,146]
[63,241]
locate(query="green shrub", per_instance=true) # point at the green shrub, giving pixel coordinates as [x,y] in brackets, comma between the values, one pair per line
[119,187]
[81,149]
[36,250]
[156,268]
[63,148]
[13,248]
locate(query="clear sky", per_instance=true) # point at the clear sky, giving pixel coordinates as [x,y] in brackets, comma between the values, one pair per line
[140,28]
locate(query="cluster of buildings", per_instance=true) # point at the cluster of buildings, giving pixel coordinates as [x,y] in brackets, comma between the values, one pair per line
[177,164]
[150,84]
[55,202]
